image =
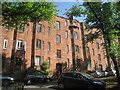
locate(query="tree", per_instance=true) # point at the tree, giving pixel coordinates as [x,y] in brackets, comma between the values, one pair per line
[44,67]
[15,13]
[105,17]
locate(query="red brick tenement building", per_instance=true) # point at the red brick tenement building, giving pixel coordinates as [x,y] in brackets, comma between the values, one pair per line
[55,44]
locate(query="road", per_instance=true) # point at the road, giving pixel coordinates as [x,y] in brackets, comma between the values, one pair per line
[42,86]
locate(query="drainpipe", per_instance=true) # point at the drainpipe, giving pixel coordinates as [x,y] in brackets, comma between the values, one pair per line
[71,28]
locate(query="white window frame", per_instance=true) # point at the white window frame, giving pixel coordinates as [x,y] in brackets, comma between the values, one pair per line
[66,23]
[19,45]
[48,46]
[39,27]
[59,54]
[5,44]
[75,35]
[25,45]
[66,34]
[89,63]
[58,39]
[38,44]
[57,25]
[37,60]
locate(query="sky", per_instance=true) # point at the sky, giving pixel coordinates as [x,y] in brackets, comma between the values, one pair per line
[62,6]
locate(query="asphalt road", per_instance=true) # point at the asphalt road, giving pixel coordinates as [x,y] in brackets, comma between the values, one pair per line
[41,86]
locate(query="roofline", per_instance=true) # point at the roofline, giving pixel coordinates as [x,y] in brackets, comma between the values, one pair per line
[68,18]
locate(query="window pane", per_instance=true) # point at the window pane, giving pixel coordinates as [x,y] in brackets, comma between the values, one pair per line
[43,45]
[58,53]
[42,59]
[19,44]
[86,38]
[99,57]
[38,44]
[5,43]
[87,49]
[77,48]
[74,23]
[66,34]
[75,35]
[97,45]
[37,61]
[48,30]
[58,38]
[66,23]
[39,28]
[93,53]
[7,28]
[48,46]
[67,48]
[68,62]
[58,25]
[49,61]
[21,28]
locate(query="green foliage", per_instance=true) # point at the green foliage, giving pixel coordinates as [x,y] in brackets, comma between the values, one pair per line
[13,13]
[31,70]
[45,66]
[76,10]
[105,16]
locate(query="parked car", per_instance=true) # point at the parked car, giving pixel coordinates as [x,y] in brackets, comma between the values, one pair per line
[79,80]
[33,78]
[112,72]
[99,73]
[6,80]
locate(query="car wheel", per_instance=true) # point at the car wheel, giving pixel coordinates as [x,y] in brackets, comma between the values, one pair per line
[5,83]
[29,82]
[61,86]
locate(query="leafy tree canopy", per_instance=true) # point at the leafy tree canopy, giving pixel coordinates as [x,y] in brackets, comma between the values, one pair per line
[105,16]
[13,13]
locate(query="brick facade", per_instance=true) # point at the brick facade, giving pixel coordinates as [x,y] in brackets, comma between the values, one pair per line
[48,42]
